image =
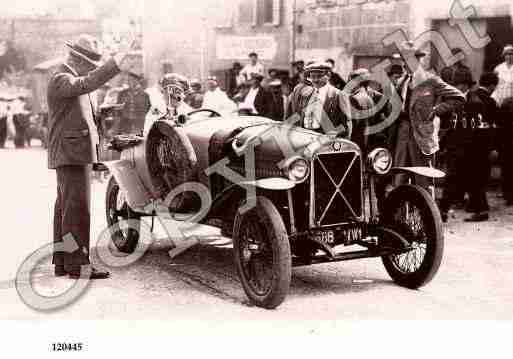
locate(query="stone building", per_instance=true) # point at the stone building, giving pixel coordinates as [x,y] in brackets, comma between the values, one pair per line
[42,38]
[352,31]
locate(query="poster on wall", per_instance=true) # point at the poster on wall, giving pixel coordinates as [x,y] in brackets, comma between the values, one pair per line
[238,47]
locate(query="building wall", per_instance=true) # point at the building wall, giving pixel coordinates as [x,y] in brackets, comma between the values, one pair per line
[344,29]
[40,39]
[247,31]
[177,31]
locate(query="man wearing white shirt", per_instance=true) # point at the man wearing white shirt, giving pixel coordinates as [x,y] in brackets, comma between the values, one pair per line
[254,67]
[216,99]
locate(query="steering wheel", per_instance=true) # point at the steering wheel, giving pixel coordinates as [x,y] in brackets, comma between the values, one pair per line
[212,112]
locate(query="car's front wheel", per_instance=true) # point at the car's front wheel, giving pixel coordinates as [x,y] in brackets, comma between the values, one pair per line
[262,254]
[124,239]
[411,212]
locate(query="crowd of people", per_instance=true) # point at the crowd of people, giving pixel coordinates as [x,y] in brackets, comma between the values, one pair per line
[446,119]
[444,115]
[18,123]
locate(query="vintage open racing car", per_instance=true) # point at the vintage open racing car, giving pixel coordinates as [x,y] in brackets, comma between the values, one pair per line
[313,204]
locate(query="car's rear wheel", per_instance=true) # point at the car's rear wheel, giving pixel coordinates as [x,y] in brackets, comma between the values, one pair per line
[411,211]
[117,209]
[262,254]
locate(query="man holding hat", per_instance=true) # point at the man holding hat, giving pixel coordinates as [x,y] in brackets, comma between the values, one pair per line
[73,146]
[320,106]
[427,99]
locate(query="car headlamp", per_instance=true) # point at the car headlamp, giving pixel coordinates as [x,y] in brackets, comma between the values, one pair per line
[297,170]
[380,161]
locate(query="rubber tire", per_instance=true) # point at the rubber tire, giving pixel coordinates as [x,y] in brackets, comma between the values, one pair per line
[130,243]
[419,197]
[266,214]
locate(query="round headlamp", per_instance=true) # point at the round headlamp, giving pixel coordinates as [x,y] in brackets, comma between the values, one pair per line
[297,170]
[380,161]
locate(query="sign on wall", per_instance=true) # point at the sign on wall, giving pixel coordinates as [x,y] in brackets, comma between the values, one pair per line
[238,47]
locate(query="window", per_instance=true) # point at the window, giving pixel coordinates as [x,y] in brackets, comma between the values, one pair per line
[266,12]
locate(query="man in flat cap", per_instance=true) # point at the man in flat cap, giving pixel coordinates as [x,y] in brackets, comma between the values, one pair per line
[73,146]
[453,74]
[427,99]
[320,106]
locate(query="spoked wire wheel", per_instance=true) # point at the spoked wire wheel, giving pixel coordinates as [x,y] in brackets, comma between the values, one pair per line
[257,258]
[411,212]
[262,254]
[125,239]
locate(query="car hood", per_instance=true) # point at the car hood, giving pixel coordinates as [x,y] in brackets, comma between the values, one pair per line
[272,141]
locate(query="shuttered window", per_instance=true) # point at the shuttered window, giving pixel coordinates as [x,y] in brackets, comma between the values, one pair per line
[266,12]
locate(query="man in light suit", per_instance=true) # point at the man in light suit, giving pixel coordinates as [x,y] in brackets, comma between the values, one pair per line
[73,146]
[427,99]
[320,106]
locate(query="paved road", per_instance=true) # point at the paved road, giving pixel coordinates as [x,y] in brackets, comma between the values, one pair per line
[475,280]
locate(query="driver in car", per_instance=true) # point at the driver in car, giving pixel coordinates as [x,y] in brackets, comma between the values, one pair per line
[171,104]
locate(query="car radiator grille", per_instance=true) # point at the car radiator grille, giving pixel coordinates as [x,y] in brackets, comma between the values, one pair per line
[336,188]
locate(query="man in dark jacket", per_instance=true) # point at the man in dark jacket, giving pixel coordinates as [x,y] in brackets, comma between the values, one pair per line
[72,146]
[481,112]
[427,99]
[453,74]
[136,105]
[318,105]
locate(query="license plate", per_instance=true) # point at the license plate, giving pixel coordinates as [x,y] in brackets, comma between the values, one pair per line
[351,235]
[326,237]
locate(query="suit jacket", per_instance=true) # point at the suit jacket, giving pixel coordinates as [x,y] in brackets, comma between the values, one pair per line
[269,105]
[422,100]
[336,108]
[136,106]
[69,134]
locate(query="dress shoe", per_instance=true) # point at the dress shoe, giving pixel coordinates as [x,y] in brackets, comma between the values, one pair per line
[60,271]
[478,217]
[95,274]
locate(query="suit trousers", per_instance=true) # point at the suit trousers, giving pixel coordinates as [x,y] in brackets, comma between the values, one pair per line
[506,162]
[72,215]
[458,142]
[408,154]
[3,131]
[478,170]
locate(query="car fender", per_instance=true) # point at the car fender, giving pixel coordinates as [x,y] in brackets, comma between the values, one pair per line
[237,192]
